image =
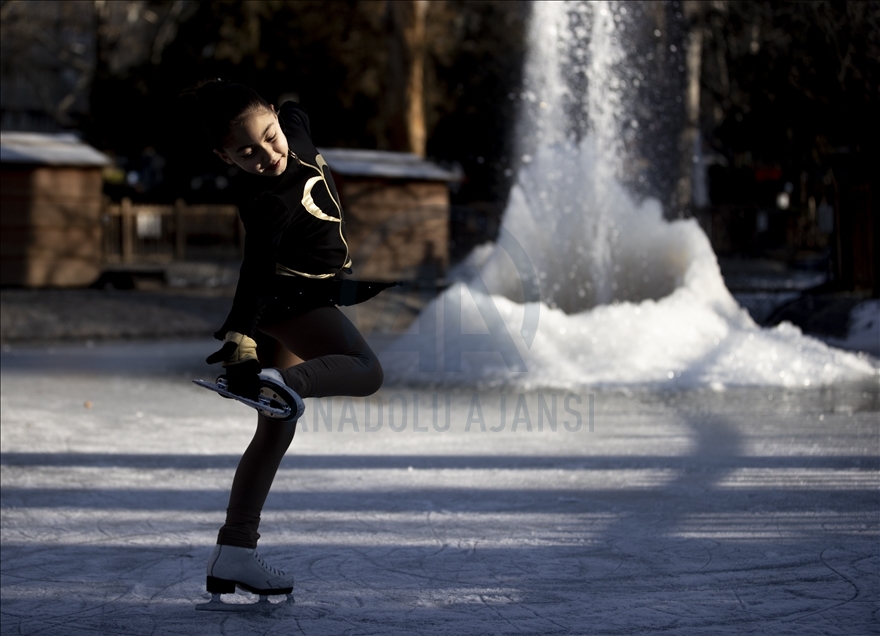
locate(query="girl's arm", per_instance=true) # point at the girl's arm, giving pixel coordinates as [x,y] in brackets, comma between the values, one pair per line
[293,118]
[257,271]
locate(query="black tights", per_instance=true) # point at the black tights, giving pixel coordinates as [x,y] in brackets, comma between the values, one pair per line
[335,360]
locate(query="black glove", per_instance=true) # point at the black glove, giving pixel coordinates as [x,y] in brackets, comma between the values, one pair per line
[239,357]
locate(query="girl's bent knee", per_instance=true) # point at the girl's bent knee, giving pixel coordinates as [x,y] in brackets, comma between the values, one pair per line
[378,377]
[372,378]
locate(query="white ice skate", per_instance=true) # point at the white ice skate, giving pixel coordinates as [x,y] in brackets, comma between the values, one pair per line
[232,567]
[276,401]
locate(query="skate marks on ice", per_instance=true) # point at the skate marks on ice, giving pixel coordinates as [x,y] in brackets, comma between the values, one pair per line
[546,567]
[466,588]
[731,520]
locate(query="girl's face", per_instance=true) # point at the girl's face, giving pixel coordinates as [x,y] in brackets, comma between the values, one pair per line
[257,145]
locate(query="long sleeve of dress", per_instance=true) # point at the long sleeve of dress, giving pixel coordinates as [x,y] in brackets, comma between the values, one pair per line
[253,291]
[294,117]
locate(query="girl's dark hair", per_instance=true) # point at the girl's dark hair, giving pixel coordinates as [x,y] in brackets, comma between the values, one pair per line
[216,106]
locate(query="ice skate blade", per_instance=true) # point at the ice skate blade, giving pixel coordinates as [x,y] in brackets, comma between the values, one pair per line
[271,408]
[264,605]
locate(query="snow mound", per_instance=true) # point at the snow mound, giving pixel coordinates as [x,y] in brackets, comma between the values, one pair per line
[586,288]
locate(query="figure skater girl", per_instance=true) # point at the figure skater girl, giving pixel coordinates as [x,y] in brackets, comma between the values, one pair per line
[284,307]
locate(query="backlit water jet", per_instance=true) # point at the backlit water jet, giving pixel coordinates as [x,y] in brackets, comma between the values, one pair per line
[586,286]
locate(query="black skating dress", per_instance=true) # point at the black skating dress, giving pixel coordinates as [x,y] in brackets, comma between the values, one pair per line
[295,253]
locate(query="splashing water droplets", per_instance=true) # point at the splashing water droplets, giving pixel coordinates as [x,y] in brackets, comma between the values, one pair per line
[643,297]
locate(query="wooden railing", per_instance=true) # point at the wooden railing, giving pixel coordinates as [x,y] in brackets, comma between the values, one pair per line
[145,233]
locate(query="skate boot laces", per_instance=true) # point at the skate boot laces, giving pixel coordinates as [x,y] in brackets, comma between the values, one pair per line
[266,566]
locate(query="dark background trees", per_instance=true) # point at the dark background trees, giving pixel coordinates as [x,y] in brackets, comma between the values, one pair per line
[344,62]
[787,93]
[789,98]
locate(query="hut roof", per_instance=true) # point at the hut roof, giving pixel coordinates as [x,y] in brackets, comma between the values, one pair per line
[54,149]
[382,163]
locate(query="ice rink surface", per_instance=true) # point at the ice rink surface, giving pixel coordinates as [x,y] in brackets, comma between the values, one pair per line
[748,511]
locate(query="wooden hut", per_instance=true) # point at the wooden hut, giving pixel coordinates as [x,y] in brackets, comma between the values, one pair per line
[50,210]
[396,212]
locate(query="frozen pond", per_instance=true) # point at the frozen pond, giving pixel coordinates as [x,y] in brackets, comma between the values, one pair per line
[690,512]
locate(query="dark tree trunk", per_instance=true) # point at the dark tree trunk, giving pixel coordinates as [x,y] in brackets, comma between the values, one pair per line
[406,72]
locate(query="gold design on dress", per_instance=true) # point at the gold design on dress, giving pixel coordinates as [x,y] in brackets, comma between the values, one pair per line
[313,208]
[284,270]
[309,203]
